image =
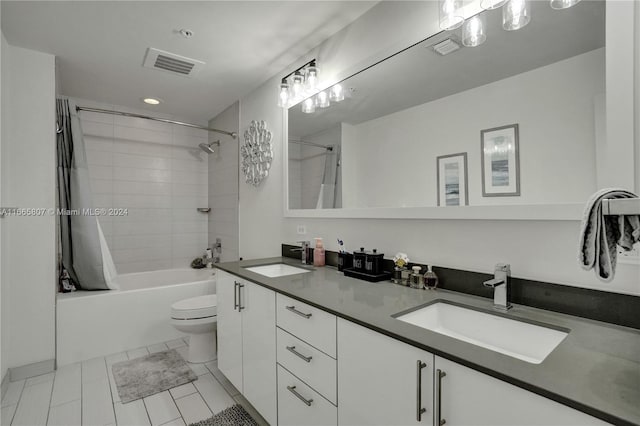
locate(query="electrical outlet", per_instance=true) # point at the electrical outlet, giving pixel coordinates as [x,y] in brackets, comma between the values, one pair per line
[631,257]
[302,230]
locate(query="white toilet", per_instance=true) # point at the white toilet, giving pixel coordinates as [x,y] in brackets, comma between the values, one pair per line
[197,317]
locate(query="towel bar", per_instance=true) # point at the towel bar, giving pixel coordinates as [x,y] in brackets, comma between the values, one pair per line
[618,206]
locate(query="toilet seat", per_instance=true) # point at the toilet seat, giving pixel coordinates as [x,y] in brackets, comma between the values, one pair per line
[195,308]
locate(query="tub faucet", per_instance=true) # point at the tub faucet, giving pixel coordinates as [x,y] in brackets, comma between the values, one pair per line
[305,252]
[500,285]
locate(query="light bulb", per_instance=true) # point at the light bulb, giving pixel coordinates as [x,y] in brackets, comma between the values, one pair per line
[451,16]
[298,89]
[516,14]
[562,4]
[336,94]
[309,106]
[491,4]
[323,99]
[312,78]
[283,96]
[474,31]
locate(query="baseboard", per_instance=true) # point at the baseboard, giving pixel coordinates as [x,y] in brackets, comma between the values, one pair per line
[5,385]
[31,370]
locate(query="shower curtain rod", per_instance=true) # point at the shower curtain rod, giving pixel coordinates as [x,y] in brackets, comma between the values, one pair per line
[234,135]
[299,142]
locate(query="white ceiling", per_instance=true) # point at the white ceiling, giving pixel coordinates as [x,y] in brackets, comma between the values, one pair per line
[100,45]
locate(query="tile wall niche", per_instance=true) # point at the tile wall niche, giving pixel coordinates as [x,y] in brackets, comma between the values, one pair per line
[157,172]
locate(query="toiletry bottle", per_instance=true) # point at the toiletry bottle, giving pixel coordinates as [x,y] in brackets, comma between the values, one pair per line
[430,279]
[208,258]
[416,278]
[318,253]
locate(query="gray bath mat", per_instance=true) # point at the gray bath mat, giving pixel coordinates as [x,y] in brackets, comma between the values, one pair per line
[151,374]
[232,416]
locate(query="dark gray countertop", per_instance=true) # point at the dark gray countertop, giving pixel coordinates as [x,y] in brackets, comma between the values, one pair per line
[595,369]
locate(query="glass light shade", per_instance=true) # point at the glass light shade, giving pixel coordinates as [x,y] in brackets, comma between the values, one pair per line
[474,31]
[311,81]
[309,106]
[562,4]
[323,99]
[336,93]
[283,96]
[491,4]
[298,89]
[451,16]
[516,14]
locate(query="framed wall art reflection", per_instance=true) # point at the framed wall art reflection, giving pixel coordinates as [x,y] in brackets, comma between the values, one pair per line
[500,161]
[452,180]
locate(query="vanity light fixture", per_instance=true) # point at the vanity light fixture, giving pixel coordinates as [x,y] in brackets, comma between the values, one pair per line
[450,12]
[562,4]
[309,105]
[474,31]
[283,96]
[322,99]
[299,84]
[516,14]
[336,93]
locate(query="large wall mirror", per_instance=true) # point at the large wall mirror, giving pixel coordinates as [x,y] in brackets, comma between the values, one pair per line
[518,120]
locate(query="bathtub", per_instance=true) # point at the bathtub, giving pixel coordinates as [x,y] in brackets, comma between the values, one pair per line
[90,324]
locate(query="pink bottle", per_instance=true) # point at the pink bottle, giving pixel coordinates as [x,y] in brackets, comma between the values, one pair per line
[318,253]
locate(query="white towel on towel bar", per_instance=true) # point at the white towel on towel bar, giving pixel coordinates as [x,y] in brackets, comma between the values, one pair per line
[599,234]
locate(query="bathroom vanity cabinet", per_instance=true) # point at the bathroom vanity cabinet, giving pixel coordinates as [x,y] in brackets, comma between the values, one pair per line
[380,382]
[246,340]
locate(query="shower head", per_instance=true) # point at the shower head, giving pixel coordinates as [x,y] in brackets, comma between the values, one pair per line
[208,147]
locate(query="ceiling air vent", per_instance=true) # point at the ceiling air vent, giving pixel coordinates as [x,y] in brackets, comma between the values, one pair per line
[176,64]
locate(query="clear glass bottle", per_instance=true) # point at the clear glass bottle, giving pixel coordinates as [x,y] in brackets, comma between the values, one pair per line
[430,279]
[416,278]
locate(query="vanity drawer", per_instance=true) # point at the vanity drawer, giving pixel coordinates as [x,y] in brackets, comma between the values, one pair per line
[299,405]
[315,368]
[312,325]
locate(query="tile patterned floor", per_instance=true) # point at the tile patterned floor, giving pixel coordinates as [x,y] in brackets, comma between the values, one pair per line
[85,394]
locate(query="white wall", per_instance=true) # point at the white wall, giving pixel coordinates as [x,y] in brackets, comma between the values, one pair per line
[544,250]
[402,147]
[28,180]
[157,172]
[223,183]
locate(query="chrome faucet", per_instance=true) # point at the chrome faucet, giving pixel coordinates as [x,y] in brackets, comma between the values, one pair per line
[500,285]
[305,254]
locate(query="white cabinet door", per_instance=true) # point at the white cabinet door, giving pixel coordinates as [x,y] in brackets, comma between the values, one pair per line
[258,306]
[469,397]
[379,379]
[229,328]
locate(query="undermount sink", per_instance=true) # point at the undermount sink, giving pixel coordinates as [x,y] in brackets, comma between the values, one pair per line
[275,270]
[518,339]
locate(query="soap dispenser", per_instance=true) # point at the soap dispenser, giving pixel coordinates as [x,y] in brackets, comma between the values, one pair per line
[430,279]
[318,253]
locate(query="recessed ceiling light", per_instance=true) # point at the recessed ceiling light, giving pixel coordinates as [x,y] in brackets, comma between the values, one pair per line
[151,101]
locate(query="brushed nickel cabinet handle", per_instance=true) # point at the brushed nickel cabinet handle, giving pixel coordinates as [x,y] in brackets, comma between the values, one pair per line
[292,389]
[235,295]
[439,418]
[295,311]
[292,349]
[240,306]
[419,409]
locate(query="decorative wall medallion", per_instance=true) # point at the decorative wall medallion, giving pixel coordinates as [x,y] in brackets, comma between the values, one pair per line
[257,153]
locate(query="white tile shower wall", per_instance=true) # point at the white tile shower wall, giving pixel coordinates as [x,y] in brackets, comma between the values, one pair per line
[223,184]
[157,172]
